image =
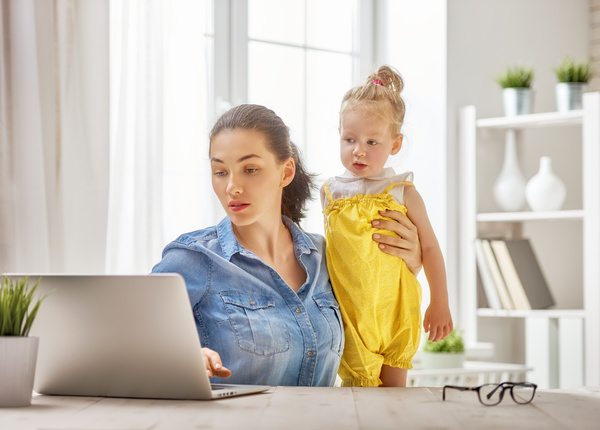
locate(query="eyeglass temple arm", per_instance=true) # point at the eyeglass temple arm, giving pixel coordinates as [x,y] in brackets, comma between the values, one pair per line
[456,387]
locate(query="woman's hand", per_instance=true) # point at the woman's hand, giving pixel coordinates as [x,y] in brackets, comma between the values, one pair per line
[407,246]
[213,364]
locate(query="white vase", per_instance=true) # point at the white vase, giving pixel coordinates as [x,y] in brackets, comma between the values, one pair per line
[545,191]
[509,188]
[18,356]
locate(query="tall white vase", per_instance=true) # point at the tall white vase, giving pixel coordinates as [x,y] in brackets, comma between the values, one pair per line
[545,191]
[509,188]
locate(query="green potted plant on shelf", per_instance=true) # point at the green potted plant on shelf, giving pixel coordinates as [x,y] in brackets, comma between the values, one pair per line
[572,82]
[448,353]
[516,90]
[18,351]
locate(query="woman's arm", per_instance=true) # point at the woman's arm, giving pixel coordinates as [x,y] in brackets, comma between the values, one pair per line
[437,320]
[405,245]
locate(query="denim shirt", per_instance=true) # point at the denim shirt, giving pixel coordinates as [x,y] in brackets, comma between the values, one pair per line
[264,331]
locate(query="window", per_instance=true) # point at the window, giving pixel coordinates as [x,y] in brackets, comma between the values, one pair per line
[176,65]
[298,58]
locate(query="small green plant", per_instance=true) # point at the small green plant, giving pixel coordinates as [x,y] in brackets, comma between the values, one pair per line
[570,71]
[453,343]
[516,77]
[16,310]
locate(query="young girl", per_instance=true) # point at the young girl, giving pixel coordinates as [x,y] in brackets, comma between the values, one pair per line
[380,299]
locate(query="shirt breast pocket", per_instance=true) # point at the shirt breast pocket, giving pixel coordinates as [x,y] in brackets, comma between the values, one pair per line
[331,311]
[258,326]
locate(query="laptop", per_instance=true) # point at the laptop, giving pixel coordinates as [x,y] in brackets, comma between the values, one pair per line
[121,336]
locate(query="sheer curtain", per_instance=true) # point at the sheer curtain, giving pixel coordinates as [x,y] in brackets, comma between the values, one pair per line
[158,81]
[53,135]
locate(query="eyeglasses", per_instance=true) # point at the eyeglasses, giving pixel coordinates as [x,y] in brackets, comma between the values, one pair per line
[492,394]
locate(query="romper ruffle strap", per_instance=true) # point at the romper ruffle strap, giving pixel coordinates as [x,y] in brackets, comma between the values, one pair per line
[327,192]
[395,184]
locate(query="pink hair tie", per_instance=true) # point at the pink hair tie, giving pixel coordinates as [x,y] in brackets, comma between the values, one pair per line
[378,82]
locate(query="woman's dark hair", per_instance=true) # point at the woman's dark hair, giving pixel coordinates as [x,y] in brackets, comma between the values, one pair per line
[264,120]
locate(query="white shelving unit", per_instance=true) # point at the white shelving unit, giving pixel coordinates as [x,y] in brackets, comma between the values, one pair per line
[562,346]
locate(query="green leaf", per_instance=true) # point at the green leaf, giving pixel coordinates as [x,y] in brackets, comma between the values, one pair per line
[16,311]
[516,77]
[570,71]
[452,343]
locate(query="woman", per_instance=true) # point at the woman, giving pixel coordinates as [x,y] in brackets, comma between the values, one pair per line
[258,284]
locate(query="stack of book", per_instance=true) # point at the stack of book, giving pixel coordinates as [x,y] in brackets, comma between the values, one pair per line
[511,275]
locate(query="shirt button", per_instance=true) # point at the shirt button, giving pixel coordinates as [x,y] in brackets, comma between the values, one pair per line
[298,310]
[252,302]
[310,353]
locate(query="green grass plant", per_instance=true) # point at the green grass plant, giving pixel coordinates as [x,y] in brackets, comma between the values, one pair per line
[16,309]
[453,343]
[570,71]
[516,77]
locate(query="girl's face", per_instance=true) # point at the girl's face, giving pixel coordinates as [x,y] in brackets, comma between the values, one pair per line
[247,177]
[366,142]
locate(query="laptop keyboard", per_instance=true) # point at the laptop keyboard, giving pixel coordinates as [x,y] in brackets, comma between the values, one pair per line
[216,387]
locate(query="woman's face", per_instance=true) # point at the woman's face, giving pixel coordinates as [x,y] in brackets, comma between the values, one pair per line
[247,177]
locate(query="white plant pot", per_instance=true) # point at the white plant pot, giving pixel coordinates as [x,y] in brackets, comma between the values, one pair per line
[18,356]
[517,101]
[569,95]
[545,191]
[442,360]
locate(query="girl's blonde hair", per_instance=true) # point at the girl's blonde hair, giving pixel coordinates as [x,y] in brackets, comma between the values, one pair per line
[379,95]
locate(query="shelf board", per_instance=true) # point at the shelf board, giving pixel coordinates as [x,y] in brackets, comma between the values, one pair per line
[536,313]
[530,216]
[533,120]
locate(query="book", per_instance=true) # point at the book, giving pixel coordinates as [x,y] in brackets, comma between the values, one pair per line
[522,274]
[481,299]
[503,294]
[487,281]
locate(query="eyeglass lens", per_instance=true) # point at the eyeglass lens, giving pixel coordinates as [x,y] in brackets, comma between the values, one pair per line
[523,393]
[491,394]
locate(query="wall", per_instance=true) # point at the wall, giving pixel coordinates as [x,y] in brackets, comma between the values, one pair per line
[595,42]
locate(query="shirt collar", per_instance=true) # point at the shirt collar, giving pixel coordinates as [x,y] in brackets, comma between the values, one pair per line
[383,173]
[230,245]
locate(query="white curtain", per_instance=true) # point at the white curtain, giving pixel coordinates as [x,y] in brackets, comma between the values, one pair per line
[159,183]
[53,135]
[58,148]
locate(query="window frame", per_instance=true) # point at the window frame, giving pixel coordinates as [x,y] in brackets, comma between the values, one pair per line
[231,40]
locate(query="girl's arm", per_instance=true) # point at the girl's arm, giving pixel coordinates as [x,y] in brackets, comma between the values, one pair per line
[437,320]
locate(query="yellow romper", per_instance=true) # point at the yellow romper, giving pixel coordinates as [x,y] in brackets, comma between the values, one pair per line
[379,297]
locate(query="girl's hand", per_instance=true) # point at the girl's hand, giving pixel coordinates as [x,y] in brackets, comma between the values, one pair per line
[213,364]
[437,321]
[407,246]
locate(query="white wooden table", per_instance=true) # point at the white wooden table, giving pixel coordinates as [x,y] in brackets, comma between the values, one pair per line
[313,408]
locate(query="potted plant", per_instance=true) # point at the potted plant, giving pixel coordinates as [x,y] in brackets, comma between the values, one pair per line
[18,351]
[572,82]
[516,90]
[448,353]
